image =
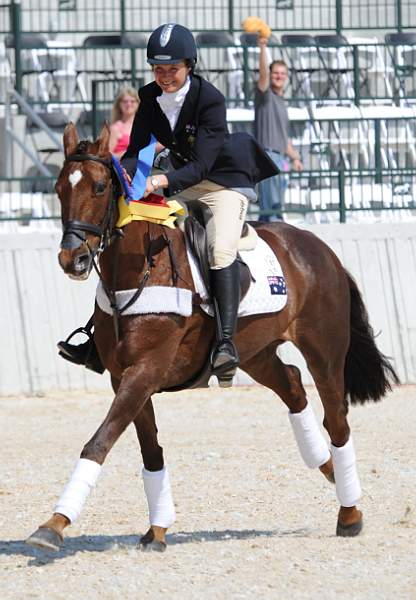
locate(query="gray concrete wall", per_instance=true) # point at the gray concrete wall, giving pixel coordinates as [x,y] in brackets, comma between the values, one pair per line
[40,305]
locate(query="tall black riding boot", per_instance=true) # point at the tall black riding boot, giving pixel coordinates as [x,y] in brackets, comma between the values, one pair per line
[226,292]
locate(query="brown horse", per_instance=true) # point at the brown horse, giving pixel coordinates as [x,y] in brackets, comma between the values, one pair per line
[324,317]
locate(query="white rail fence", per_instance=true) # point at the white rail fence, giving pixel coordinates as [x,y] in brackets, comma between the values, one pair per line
[39,305]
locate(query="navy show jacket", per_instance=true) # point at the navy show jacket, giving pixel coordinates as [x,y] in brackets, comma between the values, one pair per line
[200,145]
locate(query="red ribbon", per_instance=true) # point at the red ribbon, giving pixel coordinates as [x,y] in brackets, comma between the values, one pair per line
[154,199]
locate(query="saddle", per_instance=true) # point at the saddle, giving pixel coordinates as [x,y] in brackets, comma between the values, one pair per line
[196,237]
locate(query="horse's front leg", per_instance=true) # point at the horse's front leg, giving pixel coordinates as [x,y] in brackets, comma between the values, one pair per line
[133,392]
[156,481]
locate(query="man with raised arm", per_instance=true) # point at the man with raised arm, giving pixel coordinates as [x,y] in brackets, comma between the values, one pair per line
[272,132]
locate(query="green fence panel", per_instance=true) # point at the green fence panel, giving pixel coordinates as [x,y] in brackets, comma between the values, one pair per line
[313,195]
[83,16]
[357,73]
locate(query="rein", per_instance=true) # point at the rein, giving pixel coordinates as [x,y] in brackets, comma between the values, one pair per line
[103,231]
[112,294]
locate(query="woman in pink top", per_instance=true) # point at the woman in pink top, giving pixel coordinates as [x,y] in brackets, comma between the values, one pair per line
[122,117]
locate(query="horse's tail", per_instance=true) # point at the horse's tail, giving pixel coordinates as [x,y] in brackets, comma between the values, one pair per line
[368,374]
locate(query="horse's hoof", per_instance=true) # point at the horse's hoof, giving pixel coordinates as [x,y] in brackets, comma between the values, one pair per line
[154,546]
[148,543]
[45,539]
[349,530]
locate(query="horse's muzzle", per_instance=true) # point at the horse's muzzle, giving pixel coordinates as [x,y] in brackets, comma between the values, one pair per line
[76,265]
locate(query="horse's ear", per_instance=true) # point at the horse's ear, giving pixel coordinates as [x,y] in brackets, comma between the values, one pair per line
[70,139]
[104,139]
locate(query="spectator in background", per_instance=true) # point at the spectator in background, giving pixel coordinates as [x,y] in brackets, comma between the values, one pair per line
[272,132]
[122,116]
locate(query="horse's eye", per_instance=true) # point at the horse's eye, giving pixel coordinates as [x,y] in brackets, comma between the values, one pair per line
[99,188]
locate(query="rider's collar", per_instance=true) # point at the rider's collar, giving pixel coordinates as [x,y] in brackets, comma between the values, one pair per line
[174,100]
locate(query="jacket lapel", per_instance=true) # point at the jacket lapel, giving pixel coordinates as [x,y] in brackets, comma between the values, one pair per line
[187,113]
[165,131]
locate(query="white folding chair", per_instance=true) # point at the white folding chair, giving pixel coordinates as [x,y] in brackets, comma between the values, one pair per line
[299,52]
[25,207]
[402,46]
[345,134]
[374,72]
[5,72]
[397,138]
[334,52]
[36,80]
[218,56]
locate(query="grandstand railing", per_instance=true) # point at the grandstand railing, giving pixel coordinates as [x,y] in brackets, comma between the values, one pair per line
[360,162]
[350,74]
[313,196]
[82,16]
[361,70]
[365,153]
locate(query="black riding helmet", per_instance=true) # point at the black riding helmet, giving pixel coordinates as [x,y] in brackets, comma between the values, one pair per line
[171,43]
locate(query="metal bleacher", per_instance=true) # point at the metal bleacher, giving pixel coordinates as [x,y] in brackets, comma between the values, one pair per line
[351,93]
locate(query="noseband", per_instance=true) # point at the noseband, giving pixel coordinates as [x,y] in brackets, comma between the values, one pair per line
[77,229]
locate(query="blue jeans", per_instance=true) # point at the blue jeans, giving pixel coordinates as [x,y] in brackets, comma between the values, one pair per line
[271,191]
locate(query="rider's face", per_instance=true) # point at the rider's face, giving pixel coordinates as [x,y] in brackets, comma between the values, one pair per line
[171,77]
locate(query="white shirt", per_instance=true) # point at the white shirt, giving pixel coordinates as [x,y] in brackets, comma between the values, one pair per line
[172,102]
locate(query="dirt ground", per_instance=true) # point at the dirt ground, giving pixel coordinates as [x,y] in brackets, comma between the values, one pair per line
[252,520]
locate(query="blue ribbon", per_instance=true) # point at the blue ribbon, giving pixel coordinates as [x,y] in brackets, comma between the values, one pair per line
[137,188]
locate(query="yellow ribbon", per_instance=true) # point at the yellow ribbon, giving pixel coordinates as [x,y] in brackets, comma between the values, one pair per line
[138,211]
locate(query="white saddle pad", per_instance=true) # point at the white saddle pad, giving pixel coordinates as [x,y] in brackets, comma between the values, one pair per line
[265,295]
[154,299]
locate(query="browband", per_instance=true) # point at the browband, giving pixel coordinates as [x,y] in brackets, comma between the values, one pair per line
[81,157]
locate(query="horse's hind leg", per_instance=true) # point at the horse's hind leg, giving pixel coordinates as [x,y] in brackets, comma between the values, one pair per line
[155,480]
[267,369]
[327,368]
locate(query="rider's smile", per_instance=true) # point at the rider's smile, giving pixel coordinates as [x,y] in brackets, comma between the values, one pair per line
[171,77]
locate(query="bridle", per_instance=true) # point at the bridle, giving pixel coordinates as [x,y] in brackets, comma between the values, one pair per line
[77,229]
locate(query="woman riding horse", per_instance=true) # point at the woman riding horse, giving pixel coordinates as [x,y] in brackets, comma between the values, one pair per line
[187,115]
[324,317]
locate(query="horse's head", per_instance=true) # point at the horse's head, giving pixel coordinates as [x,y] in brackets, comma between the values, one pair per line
[85,191]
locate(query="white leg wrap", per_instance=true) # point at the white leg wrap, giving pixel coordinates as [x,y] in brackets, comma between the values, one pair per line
[78,488]
[311,443]
[159,497]
[347,484]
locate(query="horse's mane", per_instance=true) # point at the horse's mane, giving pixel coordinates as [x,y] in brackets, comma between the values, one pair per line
[82,147]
